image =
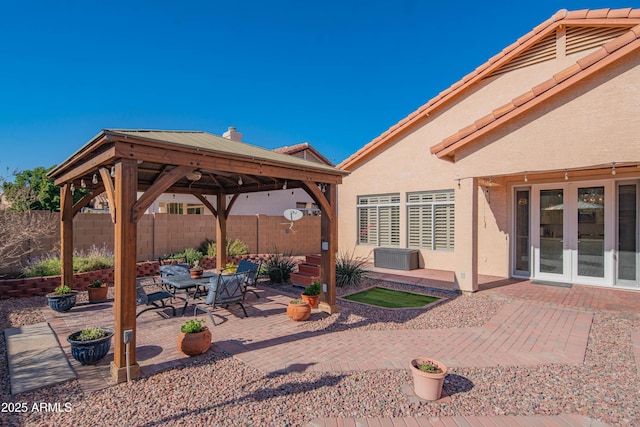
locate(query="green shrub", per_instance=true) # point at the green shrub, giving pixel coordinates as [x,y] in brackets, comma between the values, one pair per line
[350,270]
[62,290]
[280,266]
[96,258]
[90,334]
[192,326]
[313,289]
[234,248]
[191,255]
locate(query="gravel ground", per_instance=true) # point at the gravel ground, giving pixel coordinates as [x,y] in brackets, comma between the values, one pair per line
[218,390]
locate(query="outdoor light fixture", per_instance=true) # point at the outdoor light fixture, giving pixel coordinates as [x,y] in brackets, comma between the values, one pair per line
[526,178]
[95,179]
[284,186]
[613,169]
[113,171]
[194,176]
[239,180]
[83,184]
[73,188]
[566,175]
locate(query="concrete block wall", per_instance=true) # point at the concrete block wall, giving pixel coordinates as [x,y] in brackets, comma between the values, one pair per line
[160,234]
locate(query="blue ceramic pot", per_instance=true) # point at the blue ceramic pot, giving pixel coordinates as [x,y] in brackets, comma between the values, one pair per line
[90,352]
[62,303]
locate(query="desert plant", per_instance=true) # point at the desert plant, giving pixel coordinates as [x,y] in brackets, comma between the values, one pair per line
[313,289]
[192,326]
[90,334]
[430,367]
[96,258]
[96,284]
[297,301]
[280,266]
[350,270]
[62,290]
[233,248]
[191,255]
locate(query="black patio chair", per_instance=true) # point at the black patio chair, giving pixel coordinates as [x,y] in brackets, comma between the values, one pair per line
[155,300]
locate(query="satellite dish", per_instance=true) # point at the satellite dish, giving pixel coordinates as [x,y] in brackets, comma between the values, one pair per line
[293,214]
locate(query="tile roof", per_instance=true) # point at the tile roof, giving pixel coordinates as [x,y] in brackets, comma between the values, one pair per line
[293,149]
[617,47]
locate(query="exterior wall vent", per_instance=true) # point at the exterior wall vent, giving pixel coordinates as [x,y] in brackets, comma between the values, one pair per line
[580,39]
[396,258]
[545,50]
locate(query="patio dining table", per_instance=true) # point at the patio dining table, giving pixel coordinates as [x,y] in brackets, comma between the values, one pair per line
[188,285]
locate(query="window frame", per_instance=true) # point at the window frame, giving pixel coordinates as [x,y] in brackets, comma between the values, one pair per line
[431,199]
[393,230]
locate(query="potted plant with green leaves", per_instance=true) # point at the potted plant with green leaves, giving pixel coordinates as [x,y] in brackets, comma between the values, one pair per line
[311,294]
[194,338]
[97,291]
[428,377]
[90,345]
[62,299]
[196,271]
[298,310]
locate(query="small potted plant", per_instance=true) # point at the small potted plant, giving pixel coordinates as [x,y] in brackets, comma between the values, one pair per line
[97,291]
[62,298]
[196,271]
[90,345]
[194,338]
[298,310]
[428,377]
[312,294]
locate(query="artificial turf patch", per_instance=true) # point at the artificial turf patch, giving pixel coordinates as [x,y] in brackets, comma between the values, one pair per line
[389,298]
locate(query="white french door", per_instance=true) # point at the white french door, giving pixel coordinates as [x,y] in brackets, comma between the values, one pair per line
[573,232]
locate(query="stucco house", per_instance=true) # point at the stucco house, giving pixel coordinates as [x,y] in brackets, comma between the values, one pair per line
[528,167]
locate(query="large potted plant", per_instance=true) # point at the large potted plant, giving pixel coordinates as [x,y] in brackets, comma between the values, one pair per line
[90,345]
[298,310]
[428,377]
[194,338]
[311,294]
[62,298]
[97,291]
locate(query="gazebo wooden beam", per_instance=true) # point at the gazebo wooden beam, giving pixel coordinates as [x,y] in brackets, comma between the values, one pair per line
[66,235]
[241,166]
[221,233]
[206,203]
[125,245]
[160,185]
[105,174]
[95,192]
[86,167]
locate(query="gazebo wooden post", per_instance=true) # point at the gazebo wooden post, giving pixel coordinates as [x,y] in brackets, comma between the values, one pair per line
[124,306]
[329,242]
[66,235]
[221,232]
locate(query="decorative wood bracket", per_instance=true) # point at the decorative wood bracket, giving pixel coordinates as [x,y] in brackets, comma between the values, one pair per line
[159,186]
[110,190]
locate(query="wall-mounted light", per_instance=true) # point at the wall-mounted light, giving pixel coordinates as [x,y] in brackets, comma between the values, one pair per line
[94,180]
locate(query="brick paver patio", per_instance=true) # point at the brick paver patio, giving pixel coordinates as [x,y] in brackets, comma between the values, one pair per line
[537,325]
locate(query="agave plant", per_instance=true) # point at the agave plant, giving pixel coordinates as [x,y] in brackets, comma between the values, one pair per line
[350,270]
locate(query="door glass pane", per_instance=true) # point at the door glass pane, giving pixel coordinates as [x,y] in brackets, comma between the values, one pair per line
[551,231]
[627,244]
[522,230]
[591,231]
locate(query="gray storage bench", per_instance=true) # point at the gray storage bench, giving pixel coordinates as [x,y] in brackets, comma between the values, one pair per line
[396,258]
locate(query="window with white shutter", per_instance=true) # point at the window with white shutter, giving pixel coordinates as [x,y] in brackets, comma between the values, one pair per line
[379,220]
[430,220]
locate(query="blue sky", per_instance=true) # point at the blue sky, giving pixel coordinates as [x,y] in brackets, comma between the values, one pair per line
[333,73]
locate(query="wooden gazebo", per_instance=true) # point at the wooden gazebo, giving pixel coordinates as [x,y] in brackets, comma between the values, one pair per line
[122,163]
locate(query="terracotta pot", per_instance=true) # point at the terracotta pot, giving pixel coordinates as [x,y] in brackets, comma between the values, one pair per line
[196,274]
[97,294]
[426,385]
[311,299]
[299,312]
[194,344]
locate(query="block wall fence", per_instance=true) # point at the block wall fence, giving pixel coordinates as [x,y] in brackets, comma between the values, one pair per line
[161,234]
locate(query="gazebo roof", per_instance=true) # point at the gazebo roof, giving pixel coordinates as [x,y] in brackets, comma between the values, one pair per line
[221,163]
